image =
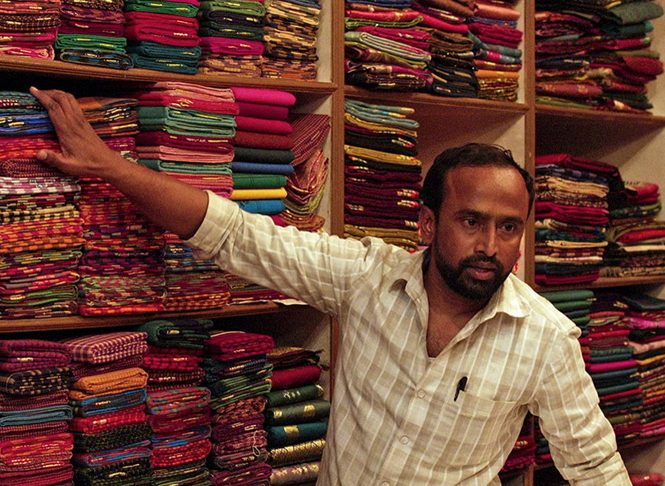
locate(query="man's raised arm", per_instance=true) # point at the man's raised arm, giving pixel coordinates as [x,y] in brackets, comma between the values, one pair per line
[174,205]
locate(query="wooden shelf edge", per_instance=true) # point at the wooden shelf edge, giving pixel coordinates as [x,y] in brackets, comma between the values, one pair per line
[605,282]
[414,98]
[600,116]
[81,322]
[622,447]
[69,70]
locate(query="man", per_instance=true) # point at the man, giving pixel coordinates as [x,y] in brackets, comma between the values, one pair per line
[442,352]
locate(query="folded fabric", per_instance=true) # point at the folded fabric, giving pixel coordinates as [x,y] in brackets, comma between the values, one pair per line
[178,400]
[35,382]
[109,383]
[104,348]
[114,438]
[108,403]
[231,345]
[24,354]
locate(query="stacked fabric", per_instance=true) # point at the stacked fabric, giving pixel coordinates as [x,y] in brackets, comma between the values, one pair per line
[261,164]
[571,217]
[178,407]
[574,304]
[304,187]
[40,225]
[296,416]
[451,47]
[291,39]
[383,48]
[238,374]
[123,266]
[28,28]
[497,56]
[111,437]
[596,54]
[92,32]
[382,173]
[186,132]
[645,318]
[635,236]
[35,445]
[163,35]
[543,454]
[611,365]
[232,37]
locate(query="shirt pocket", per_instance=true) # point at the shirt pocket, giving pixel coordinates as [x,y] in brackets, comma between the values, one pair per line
[477,430]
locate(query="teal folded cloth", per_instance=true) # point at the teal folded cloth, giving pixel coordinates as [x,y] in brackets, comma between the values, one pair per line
[159,57]
[108,403]
[394,116]
[298,412]
[187,168]
[181,9]
[282,435]
[96,57]
[116,44]
[52,413]
[294,395]
[186,122]
[247,7]
[258,181]
[262,206]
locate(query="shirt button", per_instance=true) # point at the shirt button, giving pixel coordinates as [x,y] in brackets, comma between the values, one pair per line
[404,440]
[421,394]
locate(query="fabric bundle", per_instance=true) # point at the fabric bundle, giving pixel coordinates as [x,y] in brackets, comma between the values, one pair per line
[232,37]
[28,28]
[291,29]
[497,55]
[109,424]
[645,318]
[572,217]
[450,45]
[296,415]
[35,446]
[382,174]
[187,132]
[384,49]
[92,32]
[40,226]
[122,269]
[596,55]
[304,186]
[635,237]
[238,374]
[163,35]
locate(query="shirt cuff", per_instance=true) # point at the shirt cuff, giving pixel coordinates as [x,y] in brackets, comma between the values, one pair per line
[214,228]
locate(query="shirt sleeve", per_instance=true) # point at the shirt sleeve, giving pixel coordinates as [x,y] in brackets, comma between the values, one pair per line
[581,439]
[313,267]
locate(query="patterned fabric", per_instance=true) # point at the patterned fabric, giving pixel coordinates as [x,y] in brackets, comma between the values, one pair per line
[227,346]
[104,348]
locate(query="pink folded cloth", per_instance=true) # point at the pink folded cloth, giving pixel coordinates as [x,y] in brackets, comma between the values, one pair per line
[91,28]
[262,125]
[264,96]
[260,110]
[231,47]
[163,152]
[27,354]
[190,97]
[165,29]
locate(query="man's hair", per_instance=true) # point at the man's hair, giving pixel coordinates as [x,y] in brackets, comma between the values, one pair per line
[470,155]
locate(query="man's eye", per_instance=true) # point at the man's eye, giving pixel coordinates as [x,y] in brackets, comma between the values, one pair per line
[509,227]
[470,222]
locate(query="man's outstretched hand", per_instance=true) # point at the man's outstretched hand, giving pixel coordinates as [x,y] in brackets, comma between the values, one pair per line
[83,152]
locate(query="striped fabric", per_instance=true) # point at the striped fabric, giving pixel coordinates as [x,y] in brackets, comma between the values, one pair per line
[405,424]
[104,348]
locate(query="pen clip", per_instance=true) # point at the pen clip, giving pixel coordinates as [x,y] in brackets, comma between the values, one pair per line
[461,386]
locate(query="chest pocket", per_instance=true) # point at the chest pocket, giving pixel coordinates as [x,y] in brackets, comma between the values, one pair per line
[478,427]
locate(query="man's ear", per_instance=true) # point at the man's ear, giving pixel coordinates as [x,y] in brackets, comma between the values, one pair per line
[426,225]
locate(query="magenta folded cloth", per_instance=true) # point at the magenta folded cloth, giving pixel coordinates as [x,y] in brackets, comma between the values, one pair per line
[104,348]
[231,47]
[227,346]
[26,354]
[186,142]
[262,125]
[611,366]
[264,96]
[189,96]
[260,110]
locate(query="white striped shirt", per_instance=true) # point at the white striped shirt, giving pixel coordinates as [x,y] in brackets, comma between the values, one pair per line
[395,420]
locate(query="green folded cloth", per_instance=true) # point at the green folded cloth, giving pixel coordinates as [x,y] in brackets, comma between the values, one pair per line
[247,7]
[186,122]
[236,32]
[187,168]
[294,395]
[298,412]
[258,181]
[282,435]
[155,6]
[116,44]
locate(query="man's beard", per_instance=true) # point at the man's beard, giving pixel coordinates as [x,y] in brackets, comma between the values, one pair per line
[465,285]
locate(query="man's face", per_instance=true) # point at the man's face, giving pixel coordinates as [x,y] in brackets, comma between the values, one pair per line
[475,242]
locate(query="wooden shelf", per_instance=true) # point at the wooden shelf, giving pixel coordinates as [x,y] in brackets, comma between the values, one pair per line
[612,117]
[602,283]
[424,99]
[14,64]
[81,322]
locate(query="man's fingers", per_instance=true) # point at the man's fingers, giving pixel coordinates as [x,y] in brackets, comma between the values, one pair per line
[51,158]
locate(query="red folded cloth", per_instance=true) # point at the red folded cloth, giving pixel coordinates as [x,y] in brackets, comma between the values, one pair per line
[254,475]
[171,362]
[262,125]
[177,422]
[182,454]
[103,348]
[264,96]
[54,474]
[9,402]
[231,345]
[293,377]
[29,430]
[106,421]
